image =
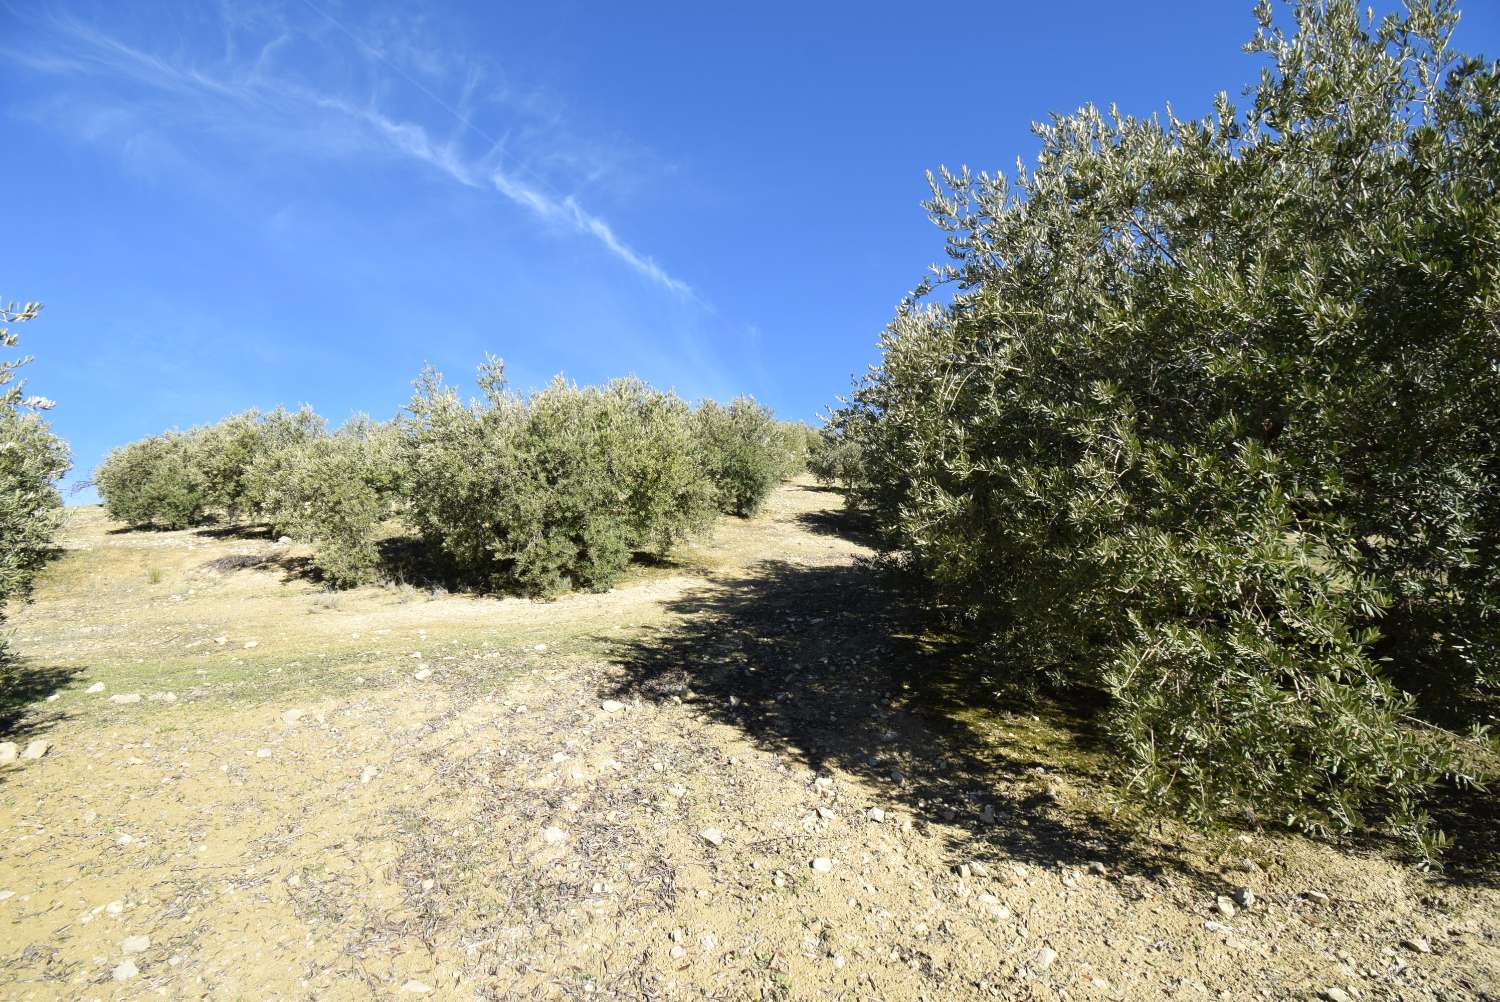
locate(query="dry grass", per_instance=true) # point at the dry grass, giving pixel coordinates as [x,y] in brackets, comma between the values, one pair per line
[392,833]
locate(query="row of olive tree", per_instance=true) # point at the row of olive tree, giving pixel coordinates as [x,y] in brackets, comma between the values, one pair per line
[534,494]
[32,459]
[1209,423]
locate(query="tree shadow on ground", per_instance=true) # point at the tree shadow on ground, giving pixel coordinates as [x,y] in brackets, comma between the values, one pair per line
[23,696]
[822,664]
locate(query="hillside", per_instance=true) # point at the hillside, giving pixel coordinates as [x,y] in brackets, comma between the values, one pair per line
[733,776]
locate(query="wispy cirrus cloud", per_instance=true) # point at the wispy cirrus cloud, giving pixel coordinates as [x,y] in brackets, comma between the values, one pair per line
[339,93]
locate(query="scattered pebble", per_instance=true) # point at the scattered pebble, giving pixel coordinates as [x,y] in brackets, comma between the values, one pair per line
[135,944]
[1243,896]
[822,864]
[875,814]
[1045,958]
[712,836]
[251,644]
[292,716]
[125,697]
[1335,994]
[368,773]
[554,836]
[9,752]
[1225,906]
[1417,944]
[611,706]
[416,987]
[422,674]
[263,753]
[96,687]
[1097,869]
[126,971]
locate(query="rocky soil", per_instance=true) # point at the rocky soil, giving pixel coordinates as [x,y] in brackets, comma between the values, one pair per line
[739,778]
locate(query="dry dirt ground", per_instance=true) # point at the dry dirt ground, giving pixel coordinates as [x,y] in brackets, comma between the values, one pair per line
[733,777]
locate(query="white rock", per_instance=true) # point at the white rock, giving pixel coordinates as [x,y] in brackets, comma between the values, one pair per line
[539,648]
[1045,958]
[96,687]
[712,836]
[1225,906]
[875,814]
[422,674]
[826,814]
[416,987]
[611,706]
[9,752]
[368,773]
[125,697]
[251,644]
[135,944]
[677,791]
[1335,994]
[1316,897]
[36,749]
[554,836]
[1417,944]
[126,971]
[263,753]
[116,907]
[678,953]
[292,716]
[822,864]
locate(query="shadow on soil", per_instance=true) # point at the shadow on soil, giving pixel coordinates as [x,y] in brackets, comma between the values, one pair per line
[23,697]
[818,663]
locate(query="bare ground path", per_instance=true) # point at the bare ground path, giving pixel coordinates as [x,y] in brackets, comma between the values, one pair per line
[735,777]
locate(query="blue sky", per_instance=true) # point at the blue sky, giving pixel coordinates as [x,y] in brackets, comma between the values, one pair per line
[226,205]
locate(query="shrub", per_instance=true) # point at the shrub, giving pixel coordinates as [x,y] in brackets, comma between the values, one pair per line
[834,454]
[743,451]
[227,454]
[157,481]
[1209,425]
[32,459]
[333,491]
[555,491]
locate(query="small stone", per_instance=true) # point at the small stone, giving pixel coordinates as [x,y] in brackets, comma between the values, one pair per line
[96,687]
[1316,897]
[135,944]
[708,941]
[838,961]
[9,752]
[677,791]
[822,864]
[292,716]
[250,645]
[422,674]
[125,697]
[1243,896]
[987,816]
[1097,869]
[875,814]
[126,971]
[1335,994]
[554,836]
[712,836]
[368,773]
[1045,958]
[116,907]
[826,814]
[611,706]
[263,753]
[1247,866]
[1417,944]
[1225,906]
[416,987]
[678,953]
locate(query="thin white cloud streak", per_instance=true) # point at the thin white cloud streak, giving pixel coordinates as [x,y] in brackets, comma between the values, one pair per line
[106,55]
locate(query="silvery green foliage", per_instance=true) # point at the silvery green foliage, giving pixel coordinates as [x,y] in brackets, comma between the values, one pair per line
[744,452]
[553,491]
[332,491]
[1208,425]
[32,459]
[157,482]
